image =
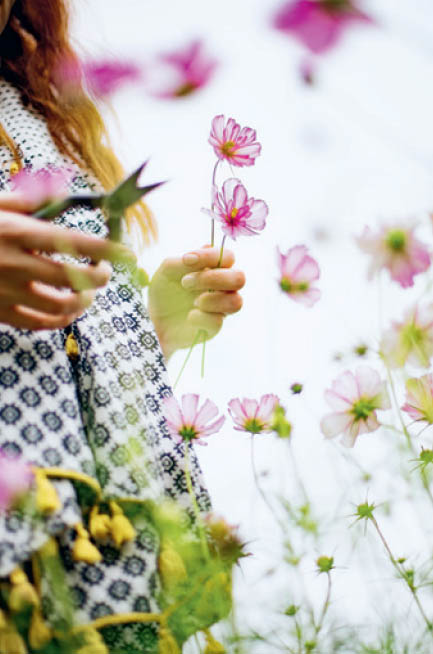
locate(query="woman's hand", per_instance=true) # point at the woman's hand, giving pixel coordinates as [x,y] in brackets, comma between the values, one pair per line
[190,293]
[30,281]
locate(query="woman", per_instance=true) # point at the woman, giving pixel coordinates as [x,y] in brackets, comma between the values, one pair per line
[82,374]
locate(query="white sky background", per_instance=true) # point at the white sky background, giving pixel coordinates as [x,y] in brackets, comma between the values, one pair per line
[354,150]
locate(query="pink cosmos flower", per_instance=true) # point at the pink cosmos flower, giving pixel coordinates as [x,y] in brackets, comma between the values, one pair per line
[355,399]
[250,415]
[42,186]
[297,272]
[182,72]
[235,144]
[318,24]
[103,77]
[419,399]
[396,249]
[238,214]
[410,341]
[15,478]
[188,423]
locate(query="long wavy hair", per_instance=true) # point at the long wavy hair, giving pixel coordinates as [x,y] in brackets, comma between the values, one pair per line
[33,47]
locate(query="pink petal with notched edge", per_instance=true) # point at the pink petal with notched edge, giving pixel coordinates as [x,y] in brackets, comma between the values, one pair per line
[336,401]
[334,424]
[208,411]
[307,298]
[236,411]
[368,381]
[213,427]
[346,386]
[306,271]
[189,407]
[250,407]
[291,260]
[240,196]
[228,189]
[172,411]
[259,212]
[267,406]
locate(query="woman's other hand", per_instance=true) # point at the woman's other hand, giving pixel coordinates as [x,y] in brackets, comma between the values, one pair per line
[191,293]
[30,281]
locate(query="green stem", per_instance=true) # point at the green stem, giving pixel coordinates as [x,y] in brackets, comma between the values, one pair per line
[195,341]
[259,487]
[203,353]
[221,251]
[195,506]
[325,605]
[401,573]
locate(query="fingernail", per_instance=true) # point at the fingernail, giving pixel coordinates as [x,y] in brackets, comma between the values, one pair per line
[187,281]
[190,259]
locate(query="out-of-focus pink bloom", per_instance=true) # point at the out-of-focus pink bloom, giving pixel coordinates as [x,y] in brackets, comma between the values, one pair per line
[396,249]
[419,399]
[182,72]
[189,423]
[298,271]
[15,479]
[410,341]
[250,415]
[103,77]
[238,214]
[235,144]
[42,186]
[318,24]
[355,399]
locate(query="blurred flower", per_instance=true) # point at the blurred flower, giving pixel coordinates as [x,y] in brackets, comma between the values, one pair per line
[298,270]
[102,77]
[237,146]
[355,399]
[419,399]
[15,478]
[280,425]
[42,186]
[181,72]
[250,415]
[223,539]
[318,24]
[239,214]
[397,249]
[190,423]
[411,340]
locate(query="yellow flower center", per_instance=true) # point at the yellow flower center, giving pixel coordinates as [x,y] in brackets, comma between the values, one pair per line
[234,212]
[227,148]
[396,240]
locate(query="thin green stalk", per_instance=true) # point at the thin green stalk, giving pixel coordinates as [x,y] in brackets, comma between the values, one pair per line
[195,506]
[325,607]
[401,573]
[221,251]
[203,352]
[195,341]
[259,487]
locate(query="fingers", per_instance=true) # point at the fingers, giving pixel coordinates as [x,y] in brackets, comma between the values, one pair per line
[25,267]
[216,279]
[219,302]
[32,234]
[206,257]
[16,202]
[210,322]
[24,318]
[48,300]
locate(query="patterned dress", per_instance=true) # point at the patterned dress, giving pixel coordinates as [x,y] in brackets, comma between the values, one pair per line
[93,422]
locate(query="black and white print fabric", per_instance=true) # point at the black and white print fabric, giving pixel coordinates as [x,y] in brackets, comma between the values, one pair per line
[99,415]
